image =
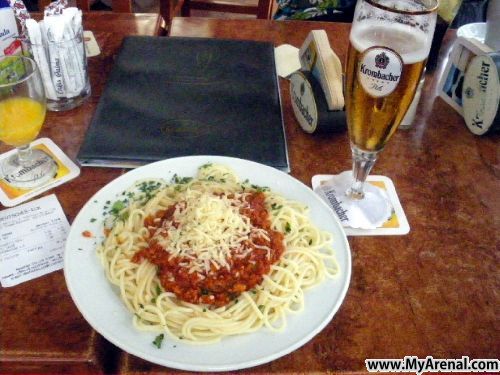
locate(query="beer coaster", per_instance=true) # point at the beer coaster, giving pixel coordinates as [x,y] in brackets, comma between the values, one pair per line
[66,171]
[397,224]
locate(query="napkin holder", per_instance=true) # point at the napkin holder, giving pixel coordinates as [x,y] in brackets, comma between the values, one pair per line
[316,89]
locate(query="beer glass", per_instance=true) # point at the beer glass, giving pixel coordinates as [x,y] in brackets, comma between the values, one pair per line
[389,44]
[22,113]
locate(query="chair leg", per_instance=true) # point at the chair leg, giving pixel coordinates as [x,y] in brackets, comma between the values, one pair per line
[84,5]
[264,9]
[185,9]
[42,4]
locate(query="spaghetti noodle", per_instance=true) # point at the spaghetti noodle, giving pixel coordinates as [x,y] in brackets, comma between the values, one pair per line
[207,257]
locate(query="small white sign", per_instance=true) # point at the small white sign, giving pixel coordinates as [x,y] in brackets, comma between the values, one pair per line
[32,238]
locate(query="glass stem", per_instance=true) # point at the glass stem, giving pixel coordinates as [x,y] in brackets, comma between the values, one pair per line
[362,164]
[24,155]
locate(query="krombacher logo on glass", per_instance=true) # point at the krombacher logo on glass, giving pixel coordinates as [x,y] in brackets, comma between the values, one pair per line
[379,71]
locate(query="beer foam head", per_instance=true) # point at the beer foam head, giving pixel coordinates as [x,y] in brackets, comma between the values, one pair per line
[409,42]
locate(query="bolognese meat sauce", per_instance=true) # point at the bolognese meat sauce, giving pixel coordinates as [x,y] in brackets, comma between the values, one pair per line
[220,280]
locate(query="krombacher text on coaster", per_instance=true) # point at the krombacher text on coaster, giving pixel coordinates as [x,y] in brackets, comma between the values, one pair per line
[481,94]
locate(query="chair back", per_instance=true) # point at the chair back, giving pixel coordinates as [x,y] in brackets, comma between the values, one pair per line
[119,6]
[169,9]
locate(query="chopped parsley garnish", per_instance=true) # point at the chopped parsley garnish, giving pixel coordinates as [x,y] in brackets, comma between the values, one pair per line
[148,188]
[181,180]
[275,206]
[204,166]
[124,216]
[259,189]
[158,340]
[288,228]
[117,207]
[93,220]
[158,292]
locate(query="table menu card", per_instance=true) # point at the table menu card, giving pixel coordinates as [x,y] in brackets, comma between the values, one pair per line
[169,97]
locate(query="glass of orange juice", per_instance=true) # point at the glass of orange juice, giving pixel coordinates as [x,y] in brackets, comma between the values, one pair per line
[22,113]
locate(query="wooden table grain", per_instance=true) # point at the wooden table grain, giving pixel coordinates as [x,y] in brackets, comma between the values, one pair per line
[431,292]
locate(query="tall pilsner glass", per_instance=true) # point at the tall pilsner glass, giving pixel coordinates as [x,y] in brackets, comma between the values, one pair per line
[388,48]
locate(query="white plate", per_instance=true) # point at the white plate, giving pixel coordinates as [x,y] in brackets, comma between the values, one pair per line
[99,302]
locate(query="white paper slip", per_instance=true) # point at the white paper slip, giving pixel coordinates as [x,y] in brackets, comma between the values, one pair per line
[32,238]
[91,47]
[287,60]
[397,224]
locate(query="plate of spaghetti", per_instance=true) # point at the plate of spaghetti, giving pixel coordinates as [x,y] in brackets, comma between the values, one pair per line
[207,263]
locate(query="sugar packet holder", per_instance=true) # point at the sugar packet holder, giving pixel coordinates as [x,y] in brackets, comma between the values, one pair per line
[316,89]
[57,45]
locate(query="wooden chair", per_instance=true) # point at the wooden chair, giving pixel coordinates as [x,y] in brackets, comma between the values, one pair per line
[119,6]
[173,8]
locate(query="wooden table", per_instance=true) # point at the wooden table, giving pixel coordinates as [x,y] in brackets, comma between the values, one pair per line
[40,328]
[432,292]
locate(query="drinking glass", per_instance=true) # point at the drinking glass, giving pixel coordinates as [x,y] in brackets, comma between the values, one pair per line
[388,46]
[22,113]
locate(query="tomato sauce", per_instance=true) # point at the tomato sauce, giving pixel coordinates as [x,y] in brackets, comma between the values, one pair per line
[218,286]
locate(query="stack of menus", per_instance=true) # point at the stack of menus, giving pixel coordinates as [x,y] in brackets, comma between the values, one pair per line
[169,97]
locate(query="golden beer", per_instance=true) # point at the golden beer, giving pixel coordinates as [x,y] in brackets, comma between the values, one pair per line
[373,119]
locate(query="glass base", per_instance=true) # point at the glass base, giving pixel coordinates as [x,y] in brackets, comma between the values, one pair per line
[369,212]
[65,104]
[37,171]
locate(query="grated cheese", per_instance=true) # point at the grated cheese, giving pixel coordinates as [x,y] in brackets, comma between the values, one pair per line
[207,229]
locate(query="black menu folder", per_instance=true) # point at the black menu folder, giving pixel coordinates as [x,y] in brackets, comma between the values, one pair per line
[175,96]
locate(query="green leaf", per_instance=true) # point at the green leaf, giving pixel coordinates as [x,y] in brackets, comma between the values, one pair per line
[158,340]
[117,207]
[288,228]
